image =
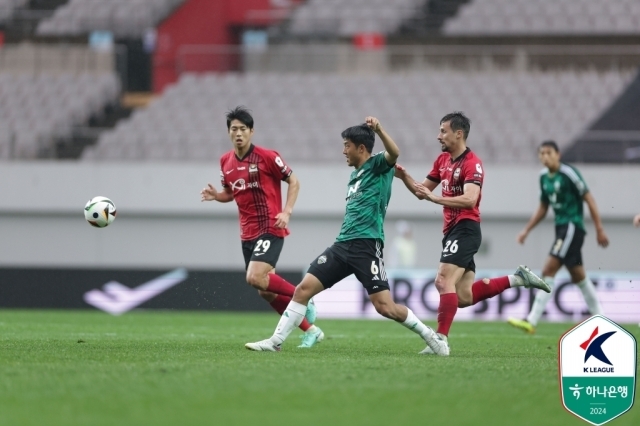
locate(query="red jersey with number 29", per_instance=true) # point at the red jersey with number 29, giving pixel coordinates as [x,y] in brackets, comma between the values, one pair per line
[255,181]
[453,174]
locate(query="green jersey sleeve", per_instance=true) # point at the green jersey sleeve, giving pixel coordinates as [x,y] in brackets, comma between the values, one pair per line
[544,198]
[380,164]
[576,179]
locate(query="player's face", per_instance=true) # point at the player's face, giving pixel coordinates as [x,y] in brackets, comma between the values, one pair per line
[447,137]
[549,157]
[240,134]
[352,152]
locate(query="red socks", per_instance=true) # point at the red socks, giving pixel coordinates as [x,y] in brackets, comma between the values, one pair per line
[279,285]
[446,311]
[280,304]
[482,291]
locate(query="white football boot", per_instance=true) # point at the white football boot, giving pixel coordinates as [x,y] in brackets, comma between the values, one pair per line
[265,345]
[436,343]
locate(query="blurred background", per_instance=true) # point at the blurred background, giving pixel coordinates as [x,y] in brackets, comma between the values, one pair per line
[126,99]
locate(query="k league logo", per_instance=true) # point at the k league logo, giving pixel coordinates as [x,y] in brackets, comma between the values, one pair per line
[598,360]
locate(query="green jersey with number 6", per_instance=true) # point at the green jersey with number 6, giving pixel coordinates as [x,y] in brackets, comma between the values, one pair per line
[564,192]
[368,195]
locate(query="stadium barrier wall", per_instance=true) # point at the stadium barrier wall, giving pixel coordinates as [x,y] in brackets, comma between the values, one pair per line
[119,290]
[619,294]
[161,220]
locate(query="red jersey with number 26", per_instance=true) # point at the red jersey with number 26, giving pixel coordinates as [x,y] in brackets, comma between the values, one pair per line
[453,174]
[255,181]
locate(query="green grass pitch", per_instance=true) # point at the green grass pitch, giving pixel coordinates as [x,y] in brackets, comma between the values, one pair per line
[178,368]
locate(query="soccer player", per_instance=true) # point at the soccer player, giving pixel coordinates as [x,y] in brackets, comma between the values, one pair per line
[460,172]
[251,176]
[562,187]
[358,247]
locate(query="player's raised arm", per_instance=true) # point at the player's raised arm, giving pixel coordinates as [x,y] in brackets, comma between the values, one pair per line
[391,150]
[402,174]
[210,193]
[282,218]
[538,215]
[602,238]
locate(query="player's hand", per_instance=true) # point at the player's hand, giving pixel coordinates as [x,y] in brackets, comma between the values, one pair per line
[603,240]
[373,123]
[209,193]
[401,173]
[423,192]
[522,236]
[282,220]
[636,221]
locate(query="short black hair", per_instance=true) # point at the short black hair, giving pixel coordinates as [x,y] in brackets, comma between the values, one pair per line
[458,121]
[241,114]
[360,135]
[551,144]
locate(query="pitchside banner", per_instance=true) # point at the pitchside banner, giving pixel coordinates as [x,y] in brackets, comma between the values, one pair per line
[619,294]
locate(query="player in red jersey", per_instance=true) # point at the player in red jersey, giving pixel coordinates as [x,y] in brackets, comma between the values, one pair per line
[252,175]
[460,172]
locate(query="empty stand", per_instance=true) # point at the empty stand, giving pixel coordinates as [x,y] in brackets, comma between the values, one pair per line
[125,18]
[7,7]
[302,115]
[349,17]
[34,109]
[546,17]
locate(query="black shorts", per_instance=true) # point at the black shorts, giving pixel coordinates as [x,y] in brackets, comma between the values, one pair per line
[461,243]
[266,248]
[568,245]
[361,257]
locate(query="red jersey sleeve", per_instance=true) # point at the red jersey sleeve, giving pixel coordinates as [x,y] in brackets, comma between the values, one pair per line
[223,182]
[472,172]
[277,166]
[434,174]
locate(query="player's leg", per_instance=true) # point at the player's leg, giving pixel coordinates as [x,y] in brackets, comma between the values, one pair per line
[573,262]
[458,248]
[549,271]
[365,261]
[261,256]
[471,292]
[385,306]
[326,270]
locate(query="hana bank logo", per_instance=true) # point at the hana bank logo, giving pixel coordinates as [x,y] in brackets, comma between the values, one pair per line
[593,348]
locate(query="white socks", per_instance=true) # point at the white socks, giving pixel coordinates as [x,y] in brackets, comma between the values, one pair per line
[589,293]
[414,324]
[515,281]
[540,302]
[290,320]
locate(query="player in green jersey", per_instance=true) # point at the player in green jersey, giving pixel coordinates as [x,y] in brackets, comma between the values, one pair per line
[358,247]
[563,188]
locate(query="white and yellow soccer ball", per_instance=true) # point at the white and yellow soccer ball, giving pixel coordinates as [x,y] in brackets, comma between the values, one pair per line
[100,212]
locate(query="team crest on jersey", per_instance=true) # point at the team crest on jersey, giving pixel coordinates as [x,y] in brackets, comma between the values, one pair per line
[478,168]
[322,259]
[456,174]
[253,168]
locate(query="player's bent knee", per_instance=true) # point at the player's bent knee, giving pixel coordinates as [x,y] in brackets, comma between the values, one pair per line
[256,280]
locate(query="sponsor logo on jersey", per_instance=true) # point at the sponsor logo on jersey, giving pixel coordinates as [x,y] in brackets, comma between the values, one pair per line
[238,185]
[227,172]
[241,168]
[478,167]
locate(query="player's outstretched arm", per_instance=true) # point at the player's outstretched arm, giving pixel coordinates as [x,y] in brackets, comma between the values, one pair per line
[636,220]
[468,199]
[391,150]
[602,238]
[402,174]
[282,218]
[210,193]
[538,215]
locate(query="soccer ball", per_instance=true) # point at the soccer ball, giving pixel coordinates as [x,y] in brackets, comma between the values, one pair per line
[100,212]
